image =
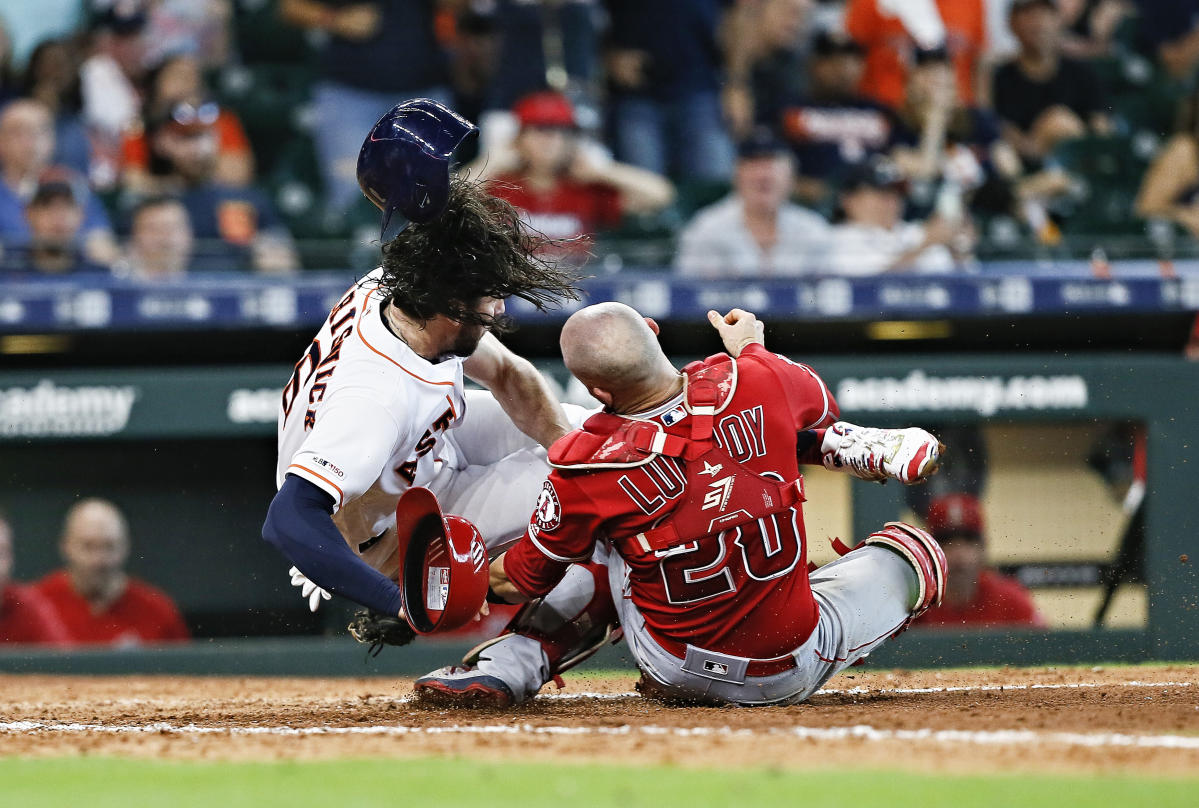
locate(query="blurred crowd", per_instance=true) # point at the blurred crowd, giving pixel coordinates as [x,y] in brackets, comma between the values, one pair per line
[149,138]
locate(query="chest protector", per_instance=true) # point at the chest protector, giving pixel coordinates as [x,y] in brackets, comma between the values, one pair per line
[720,493]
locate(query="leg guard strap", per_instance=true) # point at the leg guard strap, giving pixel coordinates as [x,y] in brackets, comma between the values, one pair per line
[571,623]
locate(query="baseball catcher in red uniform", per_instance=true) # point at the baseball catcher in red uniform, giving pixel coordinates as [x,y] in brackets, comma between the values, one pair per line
[676,513]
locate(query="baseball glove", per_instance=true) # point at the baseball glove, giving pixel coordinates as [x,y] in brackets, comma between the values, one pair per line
[378,630]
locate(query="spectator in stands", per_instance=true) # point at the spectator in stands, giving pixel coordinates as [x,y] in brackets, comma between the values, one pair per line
[110,77]
[891,32]
[875,239]
[187,26]
[950,153]
[238,227]
[833,126]
[1041,96]
[1091,26]
[178,80]
[376,55]
[1170,29]
[566,186]
[25,615]
[663,65]
[755,231]
[55,216]
[975,595]
[1170,187]
[94,596]
[26,144]
[52,77]
[160,241]
[764,62]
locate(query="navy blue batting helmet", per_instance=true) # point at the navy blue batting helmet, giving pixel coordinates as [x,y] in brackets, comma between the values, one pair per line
[404,164]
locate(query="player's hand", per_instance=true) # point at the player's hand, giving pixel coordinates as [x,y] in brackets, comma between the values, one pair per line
[738,329]
[308,589]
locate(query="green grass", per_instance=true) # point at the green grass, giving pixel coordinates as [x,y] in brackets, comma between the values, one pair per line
[120,783]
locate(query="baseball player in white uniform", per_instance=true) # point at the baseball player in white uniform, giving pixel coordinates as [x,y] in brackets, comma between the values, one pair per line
[376,403]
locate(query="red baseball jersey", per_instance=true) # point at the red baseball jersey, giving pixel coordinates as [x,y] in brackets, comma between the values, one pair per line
[743,591]
[26,616]
[567,210]
[998,601]
[142,614]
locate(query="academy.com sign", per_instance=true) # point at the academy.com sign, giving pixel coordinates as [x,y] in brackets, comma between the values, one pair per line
[985,395]
[51,410]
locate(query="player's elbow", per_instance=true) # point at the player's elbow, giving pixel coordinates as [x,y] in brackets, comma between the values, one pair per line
[272,530]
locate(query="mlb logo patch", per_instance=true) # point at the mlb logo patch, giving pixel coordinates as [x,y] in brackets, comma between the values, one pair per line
[718,668]
[674,416]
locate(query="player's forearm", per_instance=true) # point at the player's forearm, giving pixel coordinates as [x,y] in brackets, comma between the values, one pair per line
[299,524]
[527,399]
[502,586]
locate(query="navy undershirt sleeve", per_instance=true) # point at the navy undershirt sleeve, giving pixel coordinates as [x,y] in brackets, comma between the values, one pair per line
[300,524]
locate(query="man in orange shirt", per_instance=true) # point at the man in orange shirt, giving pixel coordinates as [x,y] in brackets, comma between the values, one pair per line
[99,603]
[892,30]
[975,596]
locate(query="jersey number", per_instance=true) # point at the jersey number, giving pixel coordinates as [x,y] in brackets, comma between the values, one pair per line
[700,571]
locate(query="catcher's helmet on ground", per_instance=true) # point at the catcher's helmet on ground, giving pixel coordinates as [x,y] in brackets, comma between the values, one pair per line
[404,164]
[443,564]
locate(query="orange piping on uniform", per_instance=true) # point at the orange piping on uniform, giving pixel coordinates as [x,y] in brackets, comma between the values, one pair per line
[340,495]
[361,336]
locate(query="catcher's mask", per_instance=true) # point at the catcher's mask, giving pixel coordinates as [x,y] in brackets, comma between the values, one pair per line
[443,564]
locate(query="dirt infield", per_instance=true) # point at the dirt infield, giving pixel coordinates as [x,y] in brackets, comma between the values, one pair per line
[1142,720]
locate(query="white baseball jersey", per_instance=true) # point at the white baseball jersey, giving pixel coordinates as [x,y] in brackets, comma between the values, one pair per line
[363,417]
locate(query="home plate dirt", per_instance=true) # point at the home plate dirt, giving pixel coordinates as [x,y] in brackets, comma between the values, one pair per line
[1143,720]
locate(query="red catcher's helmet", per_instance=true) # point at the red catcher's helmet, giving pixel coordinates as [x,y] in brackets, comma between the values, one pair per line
[443,564]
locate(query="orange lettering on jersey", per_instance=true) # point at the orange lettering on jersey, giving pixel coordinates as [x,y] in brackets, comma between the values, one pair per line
[324,368]
[345,301]
[311,357]
[407,471]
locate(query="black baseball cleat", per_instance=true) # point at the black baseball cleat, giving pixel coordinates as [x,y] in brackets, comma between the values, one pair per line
[463,686]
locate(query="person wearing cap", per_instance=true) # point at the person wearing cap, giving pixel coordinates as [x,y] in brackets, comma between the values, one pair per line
[975,595]
[1041,96]
[833,125]
[55,216]
[565,185]
[755,232]
[874,239]
[237,227]
[26,145]
[110,75]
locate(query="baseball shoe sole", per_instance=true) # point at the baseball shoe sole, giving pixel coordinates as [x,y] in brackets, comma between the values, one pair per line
[459,687]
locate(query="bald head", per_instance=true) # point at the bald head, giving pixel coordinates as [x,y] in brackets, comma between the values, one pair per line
[95,545]
[612,348]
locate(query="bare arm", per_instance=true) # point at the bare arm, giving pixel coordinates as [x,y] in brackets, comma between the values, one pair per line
[501,586]
[358,21]
[1171,171]
[640,191]
[520,390]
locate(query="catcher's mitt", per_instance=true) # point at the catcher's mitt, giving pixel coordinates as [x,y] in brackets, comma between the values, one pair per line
[378,630]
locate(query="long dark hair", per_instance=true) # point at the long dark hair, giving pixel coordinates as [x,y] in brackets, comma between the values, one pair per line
[479,247]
